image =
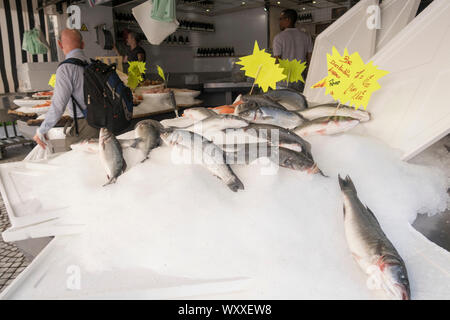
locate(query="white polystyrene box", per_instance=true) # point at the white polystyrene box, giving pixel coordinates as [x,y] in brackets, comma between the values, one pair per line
[395,15]
[412,110]
[349,31]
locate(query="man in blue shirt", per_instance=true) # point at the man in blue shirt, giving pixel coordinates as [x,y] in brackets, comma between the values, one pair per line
[69,82]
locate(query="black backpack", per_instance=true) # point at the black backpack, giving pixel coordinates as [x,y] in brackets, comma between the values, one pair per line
[109,102]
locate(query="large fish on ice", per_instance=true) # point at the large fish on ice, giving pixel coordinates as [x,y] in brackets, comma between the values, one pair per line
[326,126]
[370,246]
[111,155]
[213,157]
[330,109]
[289,98]
[269,115]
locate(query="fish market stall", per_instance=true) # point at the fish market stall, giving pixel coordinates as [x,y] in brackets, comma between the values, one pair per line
[274,194]
[249,244]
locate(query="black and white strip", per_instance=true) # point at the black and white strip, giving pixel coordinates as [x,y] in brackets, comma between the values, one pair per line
[16,17]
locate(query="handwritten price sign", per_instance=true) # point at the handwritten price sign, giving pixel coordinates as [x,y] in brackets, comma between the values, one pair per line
[261,66]
[349,80]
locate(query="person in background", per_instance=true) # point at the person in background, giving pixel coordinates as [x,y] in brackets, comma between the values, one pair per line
[135,52]
[69,83]
[292,43]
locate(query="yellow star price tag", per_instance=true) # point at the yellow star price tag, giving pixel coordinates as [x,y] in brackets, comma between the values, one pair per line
[350,80]
[293,70]
[262,67]
[161,73]
[52,80]
[135,71]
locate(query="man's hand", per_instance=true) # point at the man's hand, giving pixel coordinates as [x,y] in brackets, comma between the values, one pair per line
[39,141]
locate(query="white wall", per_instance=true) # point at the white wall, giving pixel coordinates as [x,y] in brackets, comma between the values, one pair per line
[92,17]
[238,30]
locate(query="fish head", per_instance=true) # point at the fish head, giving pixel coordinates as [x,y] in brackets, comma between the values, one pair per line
[248,111]
[396,283]
[362,115]
[294,160]
[166,134]
[178,137]
[104,134]
[142,129]
[350,122]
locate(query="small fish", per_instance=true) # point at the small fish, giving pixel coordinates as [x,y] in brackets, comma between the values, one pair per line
[326,126]
[289,98]
[269,115]
[330,109]
[370,247]
[284,157]
[148,133]
[213,157]
[217,122]
[279,136]
[262,100]
[111,155]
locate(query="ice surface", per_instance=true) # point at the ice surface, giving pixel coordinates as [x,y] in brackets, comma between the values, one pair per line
[437,155]
[284,231]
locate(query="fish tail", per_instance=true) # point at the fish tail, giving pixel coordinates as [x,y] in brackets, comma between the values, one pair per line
[235,185]
[322,174]
[346,184]
[111,181]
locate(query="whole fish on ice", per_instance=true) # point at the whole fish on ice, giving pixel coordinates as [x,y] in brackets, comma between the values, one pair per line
[370,246]
[213,157]
[289,98]
[279,136]
[148,132]
[111,155]
[261,100]
[286,158]
[330,109]
[217,122]
[326,126]
[269,115]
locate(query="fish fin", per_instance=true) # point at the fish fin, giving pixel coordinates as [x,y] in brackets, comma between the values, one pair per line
[346,184]
[355,256]
[291,146]
[373,216]
[321,132]
[111,181]
[124,166]
[268,118]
